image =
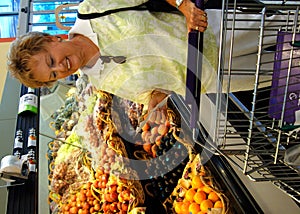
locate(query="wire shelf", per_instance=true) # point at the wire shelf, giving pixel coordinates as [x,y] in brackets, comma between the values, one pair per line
[256,127]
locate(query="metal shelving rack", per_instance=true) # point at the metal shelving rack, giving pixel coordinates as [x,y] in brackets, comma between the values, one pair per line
[22,193]
[247,132]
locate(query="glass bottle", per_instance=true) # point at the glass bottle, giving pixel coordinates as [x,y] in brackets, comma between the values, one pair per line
[31,160]
[31,143]
[18,143]
[31,146]
[28,102]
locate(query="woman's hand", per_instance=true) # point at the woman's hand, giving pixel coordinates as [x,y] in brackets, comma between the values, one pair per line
[196,19]
[160,113]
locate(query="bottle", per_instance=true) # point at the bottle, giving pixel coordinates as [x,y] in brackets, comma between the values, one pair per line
[17,153]
[31,143]
[18,144]
[31,146]
[28,102]
[31,160]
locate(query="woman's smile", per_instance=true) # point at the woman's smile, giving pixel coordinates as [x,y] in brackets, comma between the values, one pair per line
[68,63]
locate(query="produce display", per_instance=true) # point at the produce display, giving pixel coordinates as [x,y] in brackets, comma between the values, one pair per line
[86,168]
[105,192]
[196,192]
[165,155]
[92,163]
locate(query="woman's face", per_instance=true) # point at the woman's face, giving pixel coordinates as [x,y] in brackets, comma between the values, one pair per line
[61,59]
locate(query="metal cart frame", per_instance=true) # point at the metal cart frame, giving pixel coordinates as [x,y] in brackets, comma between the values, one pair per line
[245,131]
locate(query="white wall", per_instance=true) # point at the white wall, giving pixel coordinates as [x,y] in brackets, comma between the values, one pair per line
[8,116]
[3,47]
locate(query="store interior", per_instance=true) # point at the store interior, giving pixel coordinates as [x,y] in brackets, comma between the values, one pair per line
[242,179]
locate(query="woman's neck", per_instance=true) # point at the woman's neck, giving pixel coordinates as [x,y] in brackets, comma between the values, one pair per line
[89,49]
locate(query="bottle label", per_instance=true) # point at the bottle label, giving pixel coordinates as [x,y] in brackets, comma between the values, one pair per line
[28,102]
[31,167]
[31,141]
[18,143]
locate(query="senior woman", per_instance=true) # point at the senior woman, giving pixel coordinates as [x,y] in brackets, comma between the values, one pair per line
[152,47]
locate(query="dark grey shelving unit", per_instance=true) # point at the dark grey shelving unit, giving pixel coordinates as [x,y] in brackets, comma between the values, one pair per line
[23,198]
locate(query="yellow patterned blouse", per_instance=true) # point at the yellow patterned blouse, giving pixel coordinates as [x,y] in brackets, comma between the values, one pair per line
[154,44]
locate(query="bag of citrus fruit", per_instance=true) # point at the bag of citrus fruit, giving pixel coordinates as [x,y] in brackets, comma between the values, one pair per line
[196,191]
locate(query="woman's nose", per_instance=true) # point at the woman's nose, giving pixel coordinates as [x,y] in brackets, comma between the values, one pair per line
[61,68]
[58,67]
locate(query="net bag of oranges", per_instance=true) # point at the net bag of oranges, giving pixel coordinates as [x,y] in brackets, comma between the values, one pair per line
[196,192]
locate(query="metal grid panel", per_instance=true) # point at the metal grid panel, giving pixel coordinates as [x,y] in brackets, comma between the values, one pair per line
[247,132]
[282,2]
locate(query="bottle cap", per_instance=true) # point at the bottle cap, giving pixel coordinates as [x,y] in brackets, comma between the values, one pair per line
[30,90]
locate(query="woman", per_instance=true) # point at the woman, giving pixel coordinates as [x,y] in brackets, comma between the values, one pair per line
[153,45]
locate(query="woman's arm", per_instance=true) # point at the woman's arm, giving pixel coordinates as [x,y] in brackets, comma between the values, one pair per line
[196,19]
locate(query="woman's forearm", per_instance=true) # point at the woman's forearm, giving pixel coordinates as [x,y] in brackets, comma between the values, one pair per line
[177,3]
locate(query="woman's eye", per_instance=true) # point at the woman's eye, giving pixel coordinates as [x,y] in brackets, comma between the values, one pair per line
[54,75]
[51,62]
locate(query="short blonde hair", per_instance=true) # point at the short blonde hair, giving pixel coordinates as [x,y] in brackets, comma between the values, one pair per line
[20,52]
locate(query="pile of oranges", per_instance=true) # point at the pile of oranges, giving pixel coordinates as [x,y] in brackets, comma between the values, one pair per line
[198,199]
[105,194]
[81,202]
[195,193]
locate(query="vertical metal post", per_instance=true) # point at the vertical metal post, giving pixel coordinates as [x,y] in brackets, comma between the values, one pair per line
[24,15]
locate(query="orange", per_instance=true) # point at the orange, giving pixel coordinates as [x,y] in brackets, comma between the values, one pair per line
[194,208]
[206,189]
[154,149]
[196,182]
[218,204]
[147,147]
[201,212]
[154,130]
[206,204]
[177,207]
[199,196]
[162,129]
[145,134]
[185,207]
[189,195]
[213,196]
